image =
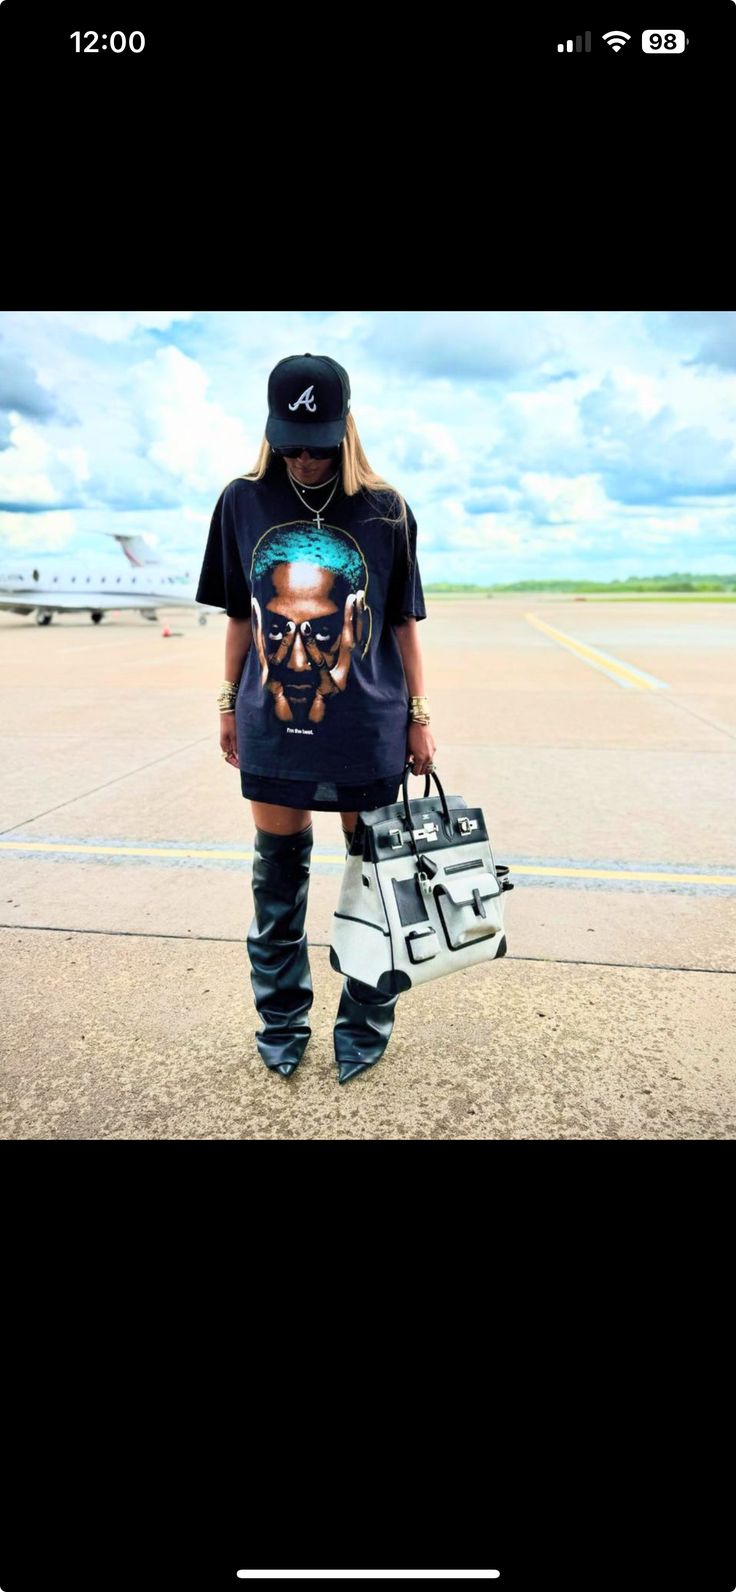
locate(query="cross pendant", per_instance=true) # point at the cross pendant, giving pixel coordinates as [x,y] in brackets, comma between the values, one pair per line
[319,523]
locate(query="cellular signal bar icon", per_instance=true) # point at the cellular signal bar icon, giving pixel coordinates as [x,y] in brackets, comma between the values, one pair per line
[568,47]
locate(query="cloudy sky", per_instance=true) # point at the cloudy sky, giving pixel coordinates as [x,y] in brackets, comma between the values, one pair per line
[528,444]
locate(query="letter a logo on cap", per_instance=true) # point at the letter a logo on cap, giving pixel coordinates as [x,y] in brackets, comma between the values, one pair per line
[306,399]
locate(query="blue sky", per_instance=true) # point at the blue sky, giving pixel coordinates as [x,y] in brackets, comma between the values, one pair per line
[543,444]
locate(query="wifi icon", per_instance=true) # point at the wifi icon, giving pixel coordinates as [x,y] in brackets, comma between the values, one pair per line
[616,38]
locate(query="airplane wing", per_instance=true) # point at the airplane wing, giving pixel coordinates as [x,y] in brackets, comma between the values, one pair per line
[92,603]
[104,602]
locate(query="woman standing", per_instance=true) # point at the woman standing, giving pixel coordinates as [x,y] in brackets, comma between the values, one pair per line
[313,557]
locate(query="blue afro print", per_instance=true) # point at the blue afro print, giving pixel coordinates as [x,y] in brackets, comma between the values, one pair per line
[305,544]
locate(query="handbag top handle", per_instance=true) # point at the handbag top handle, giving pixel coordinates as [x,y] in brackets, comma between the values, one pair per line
[407,802]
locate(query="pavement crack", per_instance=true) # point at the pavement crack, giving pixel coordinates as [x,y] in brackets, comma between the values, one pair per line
[324,945]
[106,783]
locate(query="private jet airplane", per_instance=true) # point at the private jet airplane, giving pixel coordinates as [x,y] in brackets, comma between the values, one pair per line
[28,587]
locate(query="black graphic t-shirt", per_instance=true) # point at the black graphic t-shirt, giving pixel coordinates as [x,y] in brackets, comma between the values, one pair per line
[323,693]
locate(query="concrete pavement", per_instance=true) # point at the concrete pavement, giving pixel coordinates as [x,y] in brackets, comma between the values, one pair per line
[600,741]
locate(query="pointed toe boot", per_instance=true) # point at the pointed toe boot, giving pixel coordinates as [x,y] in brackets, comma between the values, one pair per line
[350,1069]
[364,1021]
[363,1027]
[277,947]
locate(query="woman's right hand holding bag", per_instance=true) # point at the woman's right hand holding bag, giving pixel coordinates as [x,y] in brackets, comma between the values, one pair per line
[229,739]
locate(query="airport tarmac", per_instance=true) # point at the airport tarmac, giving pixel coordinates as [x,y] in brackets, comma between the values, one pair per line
[599,740]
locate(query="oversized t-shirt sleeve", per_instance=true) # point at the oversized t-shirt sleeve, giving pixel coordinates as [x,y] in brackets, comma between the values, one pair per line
[405,596]
[222,580]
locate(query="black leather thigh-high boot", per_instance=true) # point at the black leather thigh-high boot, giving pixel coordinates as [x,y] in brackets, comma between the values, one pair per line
[363,1027]
[277,947]
[364,1021]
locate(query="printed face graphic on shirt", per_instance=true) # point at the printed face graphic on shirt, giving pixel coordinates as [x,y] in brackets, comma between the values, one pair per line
[313,618]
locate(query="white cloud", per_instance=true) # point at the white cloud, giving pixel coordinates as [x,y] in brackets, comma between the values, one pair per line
[195,440]
[643,392]
[584,439]
[114,326]
[37,532]
[32,470]
[555,497]
[76,461]
[343,324]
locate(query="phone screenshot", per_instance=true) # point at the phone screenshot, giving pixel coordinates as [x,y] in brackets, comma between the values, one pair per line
[367,820]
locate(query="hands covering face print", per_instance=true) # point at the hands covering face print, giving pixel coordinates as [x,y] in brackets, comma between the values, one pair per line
[295,645]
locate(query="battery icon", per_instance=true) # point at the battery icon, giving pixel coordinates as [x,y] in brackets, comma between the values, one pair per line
[568,46]
[661,41]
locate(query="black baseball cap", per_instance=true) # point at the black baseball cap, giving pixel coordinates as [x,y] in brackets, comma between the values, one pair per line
[308,402]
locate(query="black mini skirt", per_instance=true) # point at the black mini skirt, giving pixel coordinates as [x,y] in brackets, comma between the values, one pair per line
[322,796]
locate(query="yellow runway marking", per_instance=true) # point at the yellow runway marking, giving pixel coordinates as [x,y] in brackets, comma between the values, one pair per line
[624,674]
[131,851]
[326,856]
[627,873]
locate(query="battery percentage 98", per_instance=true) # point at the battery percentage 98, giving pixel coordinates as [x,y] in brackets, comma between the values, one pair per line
[657,42]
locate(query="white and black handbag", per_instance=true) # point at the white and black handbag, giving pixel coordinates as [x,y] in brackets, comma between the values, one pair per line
[421,895]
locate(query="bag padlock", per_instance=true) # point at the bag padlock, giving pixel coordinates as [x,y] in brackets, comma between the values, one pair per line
[426,872]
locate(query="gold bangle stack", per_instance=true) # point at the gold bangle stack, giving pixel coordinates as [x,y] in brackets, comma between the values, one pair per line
[228,693]
[419,710]
[418,705]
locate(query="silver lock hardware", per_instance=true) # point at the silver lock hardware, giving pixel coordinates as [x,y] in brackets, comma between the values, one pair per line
[466,824]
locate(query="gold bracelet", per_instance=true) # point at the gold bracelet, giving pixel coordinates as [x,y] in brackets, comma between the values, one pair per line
[419,710]
[227,695]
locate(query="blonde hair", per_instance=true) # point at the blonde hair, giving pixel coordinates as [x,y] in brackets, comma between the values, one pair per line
[357,475]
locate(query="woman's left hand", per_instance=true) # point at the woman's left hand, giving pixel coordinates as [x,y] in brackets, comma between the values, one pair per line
[420,747]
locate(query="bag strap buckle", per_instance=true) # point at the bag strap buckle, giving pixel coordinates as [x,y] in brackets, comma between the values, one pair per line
[466,824]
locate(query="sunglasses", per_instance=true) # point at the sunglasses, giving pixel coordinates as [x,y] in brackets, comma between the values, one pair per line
[314,453]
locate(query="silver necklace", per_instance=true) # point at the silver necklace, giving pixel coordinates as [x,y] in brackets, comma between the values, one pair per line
[318,484]
[318,516]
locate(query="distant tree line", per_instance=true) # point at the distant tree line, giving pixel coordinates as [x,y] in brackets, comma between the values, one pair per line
[674,582]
